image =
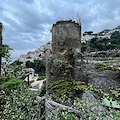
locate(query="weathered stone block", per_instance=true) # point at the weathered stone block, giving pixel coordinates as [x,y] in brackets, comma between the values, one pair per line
[58,70]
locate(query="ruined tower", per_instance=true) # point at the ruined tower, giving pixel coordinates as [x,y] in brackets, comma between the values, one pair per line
[66,47]
[66,35]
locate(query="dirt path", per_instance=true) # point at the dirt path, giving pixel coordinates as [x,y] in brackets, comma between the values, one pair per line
[37,82]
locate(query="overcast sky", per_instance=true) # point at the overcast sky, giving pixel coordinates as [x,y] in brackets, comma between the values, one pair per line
[28,22]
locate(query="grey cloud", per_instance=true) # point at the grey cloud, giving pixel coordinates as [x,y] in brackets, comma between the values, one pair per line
[26,21]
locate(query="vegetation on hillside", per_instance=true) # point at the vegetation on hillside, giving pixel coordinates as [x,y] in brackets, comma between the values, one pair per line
[18,104]
[37,65]
[102,44]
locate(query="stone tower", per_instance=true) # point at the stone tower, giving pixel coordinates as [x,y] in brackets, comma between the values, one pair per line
[66,48]
[66,35]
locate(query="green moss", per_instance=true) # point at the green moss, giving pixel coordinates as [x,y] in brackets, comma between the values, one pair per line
[107,68]
[118,68]
[100,65]
[109,61]
[65,63]
[103,66]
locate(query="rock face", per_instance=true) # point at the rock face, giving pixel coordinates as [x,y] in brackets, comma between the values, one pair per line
[101,79]
[96,107]
[57,70]
[109,54]
[66,35]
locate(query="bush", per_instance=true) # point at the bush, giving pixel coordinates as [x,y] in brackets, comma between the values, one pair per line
[31,82]
[2,80]
[41,78]
[20,105]
[70,88]
[11,84]
[15,71]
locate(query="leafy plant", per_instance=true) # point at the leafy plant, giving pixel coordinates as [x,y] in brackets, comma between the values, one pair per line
[41,78]
[69,88]
[3,79]
[15,71]
[11,84]
[65,115]
[20,105]
[115,114]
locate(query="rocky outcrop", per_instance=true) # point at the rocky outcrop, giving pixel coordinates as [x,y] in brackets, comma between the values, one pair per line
[96,107]
[106,54]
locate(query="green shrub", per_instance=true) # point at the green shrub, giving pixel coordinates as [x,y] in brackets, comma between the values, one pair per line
[41,78]
[37,65]
[31,82]
[11,84]
[69,88]
[74,88]
[19,105]
[2,80]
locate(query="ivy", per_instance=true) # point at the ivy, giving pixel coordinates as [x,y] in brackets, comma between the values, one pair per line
[69,88]
[105,66]
[74,88]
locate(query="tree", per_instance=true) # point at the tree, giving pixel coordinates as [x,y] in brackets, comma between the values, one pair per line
[37,65]
[0,44]
[4,49]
